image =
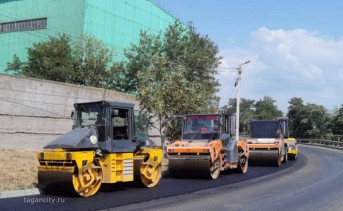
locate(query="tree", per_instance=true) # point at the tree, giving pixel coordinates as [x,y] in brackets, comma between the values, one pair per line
[92,63]
[337,122]
[87,62]
[317,120]
[51,60]
[138,59]
[247,111]
[198,54]
[296,113]
[266,110]
[165,92]
[308,121]
[16,66]
[178,44]
[193,58]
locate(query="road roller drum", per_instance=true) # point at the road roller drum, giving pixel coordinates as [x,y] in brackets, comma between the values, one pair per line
[191,167]
[265,157]
[56,181]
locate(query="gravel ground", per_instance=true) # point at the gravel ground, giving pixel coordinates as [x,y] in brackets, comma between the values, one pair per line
[18,169]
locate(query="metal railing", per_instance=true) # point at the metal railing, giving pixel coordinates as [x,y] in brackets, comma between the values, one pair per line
[322,142]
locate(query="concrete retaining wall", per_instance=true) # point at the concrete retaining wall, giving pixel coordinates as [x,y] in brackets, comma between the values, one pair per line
[34,111]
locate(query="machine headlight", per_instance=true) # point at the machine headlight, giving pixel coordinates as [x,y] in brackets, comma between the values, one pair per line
[93,139]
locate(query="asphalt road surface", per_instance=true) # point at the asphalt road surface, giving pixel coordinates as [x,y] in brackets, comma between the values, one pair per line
[314,181]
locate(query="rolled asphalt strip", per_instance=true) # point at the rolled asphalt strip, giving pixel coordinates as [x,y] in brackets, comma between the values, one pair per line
[19,193]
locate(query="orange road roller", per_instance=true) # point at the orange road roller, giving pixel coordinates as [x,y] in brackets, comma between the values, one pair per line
[206,148]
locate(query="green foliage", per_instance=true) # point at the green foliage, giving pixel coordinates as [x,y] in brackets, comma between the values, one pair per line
[308,121]
[91,63]
[296,112]
[138,59]
[247,111]
[337,122]
[305,121]
[250,110]
[87,62]
[172,72]
[51,60]
[165,92]
[16,66]
[196,53]
[141,119]
[265,109]
[318,119]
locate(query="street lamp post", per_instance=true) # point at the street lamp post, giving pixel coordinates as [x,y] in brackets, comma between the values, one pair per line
[238,85]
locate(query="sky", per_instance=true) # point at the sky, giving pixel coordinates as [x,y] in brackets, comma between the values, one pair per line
[295,46]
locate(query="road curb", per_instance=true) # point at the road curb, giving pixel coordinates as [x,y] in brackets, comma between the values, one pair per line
[19,193]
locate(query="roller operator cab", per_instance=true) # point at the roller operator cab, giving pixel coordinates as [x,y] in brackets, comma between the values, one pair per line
[206,148]
[268,143]
[106,145]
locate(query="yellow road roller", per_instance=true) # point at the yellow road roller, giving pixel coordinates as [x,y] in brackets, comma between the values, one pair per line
[292,149]
[106,145]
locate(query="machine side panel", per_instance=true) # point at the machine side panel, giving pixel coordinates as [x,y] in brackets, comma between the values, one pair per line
[117,167]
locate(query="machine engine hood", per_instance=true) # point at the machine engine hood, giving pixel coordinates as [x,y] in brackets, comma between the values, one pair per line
[75,139]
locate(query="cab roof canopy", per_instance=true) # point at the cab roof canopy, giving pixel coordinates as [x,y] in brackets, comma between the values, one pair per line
[106,103]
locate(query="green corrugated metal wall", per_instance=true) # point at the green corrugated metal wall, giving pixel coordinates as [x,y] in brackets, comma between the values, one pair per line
[119,22]
[116,22]
[63,16]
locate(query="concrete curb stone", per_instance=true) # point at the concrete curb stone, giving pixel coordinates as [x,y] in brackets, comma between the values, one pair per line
[19,193]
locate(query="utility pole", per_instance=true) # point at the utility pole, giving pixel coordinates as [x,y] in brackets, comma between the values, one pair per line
[238,85]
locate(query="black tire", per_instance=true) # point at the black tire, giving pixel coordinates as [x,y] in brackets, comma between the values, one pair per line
[285,158]
[292,157]
[214,170]
[243,164]
[278,162]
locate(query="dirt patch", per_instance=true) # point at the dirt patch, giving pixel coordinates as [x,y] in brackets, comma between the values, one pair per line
[18,169]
